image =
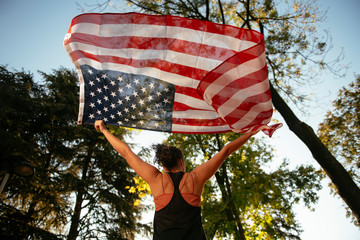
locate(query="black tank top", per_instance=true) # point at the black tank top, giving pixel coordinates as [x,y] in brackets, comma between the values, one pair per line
[178,220]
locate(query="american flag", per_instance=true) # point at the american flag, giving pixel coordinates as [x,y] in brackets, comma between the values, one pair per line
[168,73]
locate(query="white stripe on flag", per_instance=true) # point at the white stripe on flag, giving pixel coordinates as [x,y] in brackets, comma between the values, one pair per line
[140,54]
[195,114]
[198,129]
[193,102]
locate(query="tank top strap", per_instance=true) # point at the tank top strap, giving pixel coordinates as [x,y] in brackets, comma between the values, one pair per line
[176,179]
[185,181]
[162,183]
[193,183]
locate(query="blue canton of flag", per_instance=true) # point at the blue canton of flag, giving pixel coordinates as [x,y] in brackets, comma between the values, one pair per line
[128,100]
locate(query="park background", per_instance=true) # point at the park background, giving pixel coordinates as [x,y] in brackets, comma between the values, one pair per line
[32,33]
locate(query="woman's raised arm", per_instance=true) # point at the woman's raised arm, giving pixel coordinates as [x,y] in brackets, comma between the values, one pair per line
[145,170]
[206,170]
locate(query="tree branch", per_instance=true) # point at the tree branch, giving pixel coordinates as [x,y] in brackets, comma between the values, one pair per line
[225,188]
[342,181]
[207,10]
[144,7]
[247,21]
[222,12]
[196,10]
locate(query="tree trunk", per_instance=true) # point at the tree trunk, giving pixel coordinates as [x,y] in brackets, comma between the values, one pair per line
[75,219]
[231,214]
[344,184]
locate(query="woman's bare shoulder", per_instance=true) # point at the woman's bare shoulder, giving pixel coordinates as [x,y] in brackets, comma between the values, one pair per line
[161,184]
[193,183]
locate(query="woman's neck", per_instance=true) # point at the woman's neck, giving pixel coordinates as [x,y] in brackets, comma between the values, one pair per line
[175,170]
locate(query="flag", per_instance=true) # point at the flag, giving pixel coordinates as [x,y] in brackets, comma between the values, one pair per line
[169,73]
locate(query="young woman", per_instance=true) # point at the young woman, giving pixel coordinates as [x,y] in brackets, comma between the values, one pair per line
[177,194]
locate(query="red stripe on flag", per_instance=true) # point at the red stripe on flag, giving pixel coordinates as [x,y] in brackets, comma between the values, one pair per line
[256,121]
[160,43]
[183,107]
[199,122]
[192,92]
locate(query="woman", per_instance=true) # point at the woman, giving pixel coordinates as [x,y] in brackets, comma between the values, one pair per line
[177,194]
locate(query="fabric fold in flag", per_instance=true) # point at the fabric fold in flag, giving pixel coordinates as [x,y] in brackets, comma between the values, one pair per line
[239,91]
[169,73]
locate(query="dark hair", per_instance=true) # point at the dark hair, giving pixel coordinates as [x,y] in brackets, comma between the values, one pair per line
[167,156]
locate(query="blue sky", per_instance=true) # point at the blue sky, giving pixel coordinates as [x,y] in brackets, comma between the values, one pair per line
[32,35]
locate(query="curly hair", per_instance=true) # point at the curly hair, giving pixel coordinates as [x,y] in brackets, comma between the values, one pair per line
[167,156]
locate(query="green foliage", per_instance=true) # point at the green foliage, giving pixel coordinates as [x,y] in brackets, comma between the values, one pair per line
[247,195]
[340,131]
[18,103]
[75,166]
[34,202]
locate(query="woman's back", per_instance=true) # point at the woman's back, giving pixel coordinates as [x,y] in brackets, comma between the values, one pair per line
[178,219]
[188,187]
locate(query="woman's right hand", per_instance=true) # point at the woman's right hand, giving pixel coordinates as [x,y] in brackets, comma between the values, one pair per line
[100,125]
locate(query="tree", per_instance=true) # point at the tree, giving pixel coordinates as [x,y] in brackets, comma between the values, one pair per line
[27,204]
[18,103]
[295,53]
[74,166]
[94,171]
[246,199]
[340,131]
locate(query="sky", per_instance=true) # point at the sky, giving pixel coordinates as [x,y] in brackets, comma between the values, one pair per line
[32,33]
